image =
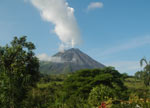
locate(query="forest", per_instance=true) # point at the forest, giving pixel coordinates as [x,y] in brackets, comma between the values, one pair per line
[22,85]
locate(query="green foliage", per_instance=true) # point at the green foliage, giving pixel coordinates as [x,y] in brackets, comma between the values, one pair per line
[47,94]
[100,94]
[19,70]
[20,86]
[139,94]
[82,82]
[139,75]
[124,76]
[146,71]
[44,97]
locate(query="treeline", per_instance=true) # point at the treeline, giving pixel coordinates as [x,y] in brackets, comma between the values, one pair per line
[22,85]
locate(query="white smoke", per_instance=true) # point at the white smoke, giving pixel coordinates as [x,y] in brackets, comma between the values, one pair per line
[45,57]
[62,16]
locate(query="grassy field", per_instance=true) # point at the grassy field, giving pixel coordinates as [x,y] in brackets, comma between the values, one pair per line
[132,83]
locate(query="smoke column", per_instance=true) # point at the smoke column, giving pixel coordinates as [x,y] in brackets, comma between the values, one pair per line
[62,16]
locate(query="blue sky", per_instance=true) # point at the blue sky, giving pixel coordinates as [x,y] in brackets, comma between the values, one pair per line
[115,33]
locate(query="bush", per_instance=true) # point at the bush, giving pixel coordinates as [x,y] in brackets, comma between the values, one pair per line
[100,94]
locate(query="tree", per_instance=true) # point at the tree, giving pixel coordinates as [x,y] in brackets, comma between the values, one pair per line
[146,72]
[139,75]
[19,71]
[82,82]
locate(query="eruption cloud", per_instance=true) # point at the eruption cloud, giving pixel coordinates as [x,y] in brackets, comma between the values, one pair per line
[62,16]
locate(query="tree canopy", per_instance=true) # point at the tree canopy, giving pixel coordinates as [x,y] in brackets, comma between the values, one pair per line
[146,71]
[19,70]
[82,82]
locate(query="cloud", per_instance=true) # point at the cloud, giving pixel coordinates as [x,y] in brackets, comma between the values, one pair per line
[131,44]
[94,5]
[59,13]
[45,57]
[129,67]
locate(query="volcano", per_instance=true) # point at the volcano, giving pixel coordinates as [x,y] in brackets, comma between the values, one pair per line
[69,61]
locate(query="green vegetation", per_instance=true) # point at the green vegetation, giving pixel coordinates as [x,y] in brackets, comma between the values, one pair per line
[22,86]
[18,72]
[146,72]
[100,94]
[82,82]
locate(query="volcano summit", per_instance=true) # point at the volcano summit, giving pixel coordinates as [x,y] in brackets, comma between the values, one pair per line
[69,61]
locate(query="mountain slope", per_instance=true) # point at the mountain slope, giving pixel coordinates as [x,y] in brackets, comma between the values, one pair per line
[69,61]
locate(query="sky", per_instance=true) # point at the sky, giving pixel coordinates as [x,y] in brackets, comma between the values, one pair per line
[113,32]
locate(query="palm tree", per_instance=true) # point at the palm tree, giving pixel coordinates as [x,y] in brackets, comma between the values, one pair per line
[146,72]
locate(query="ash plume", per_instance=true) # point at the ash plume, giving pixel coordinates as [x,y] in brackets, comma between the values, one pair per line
[62,16]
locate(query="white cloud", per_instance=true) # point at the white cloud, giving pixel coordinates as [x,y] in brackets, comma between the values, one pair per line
[129,67]
[59,13]
[94,5]
[131,44]
[45,57]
